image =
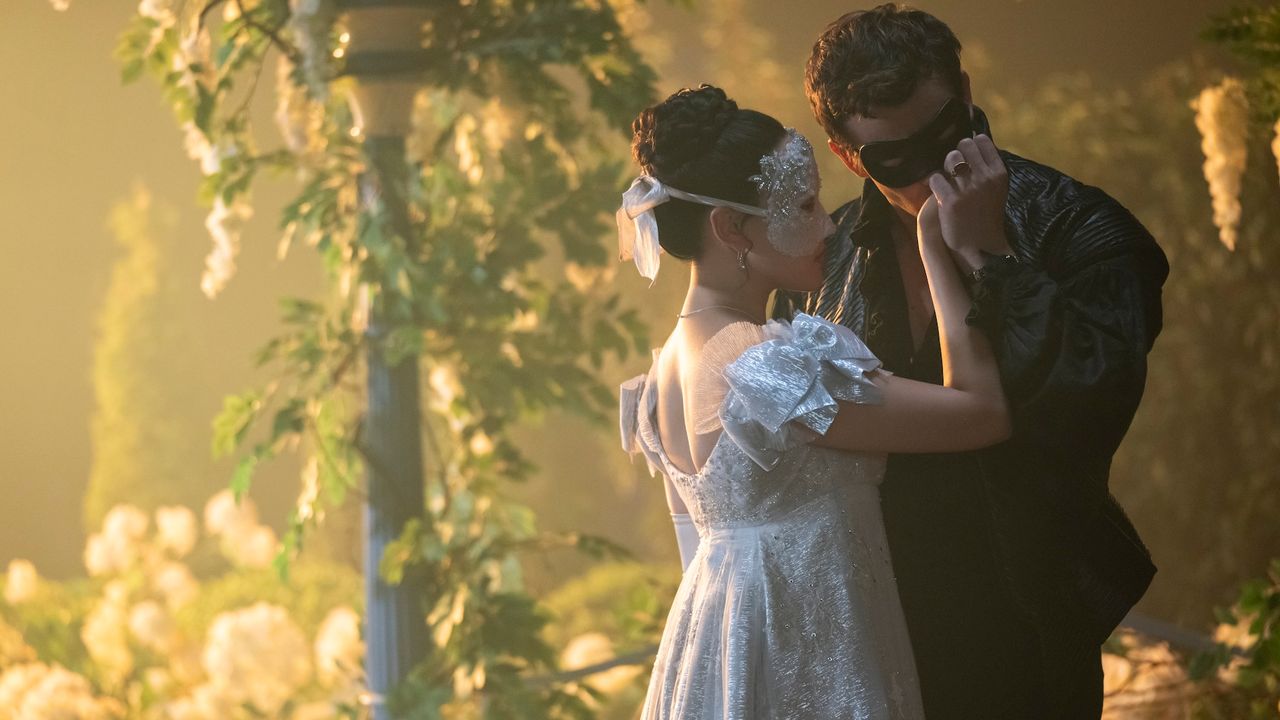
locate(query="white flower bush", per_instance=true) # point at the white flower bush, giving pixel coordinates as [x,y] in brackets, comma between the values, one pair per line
[147,639]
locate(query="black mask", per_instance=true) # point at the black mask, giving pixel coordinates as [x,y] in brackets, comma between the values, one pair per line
[899,163]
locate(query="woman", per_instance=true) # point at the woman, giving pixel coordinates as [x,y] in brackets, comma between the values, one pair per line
[772,435]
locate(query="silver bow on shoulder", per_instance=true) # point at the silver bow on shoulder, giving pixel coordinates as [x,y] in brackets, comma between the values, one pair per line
[783,392]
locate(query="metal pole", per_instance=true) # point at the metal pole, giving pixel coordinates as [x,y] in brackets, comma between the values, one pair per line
[396,632]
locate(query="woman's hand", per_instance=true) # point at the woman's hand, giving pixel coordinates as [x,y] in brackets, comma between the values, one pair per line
[929,226]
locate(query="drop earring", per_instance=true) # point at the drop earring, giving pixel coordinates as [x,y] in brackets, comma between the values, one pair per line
[742,260]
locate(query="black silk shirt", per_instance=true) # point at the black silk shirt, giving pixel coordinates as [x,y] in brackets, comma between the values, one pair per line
[1014,562]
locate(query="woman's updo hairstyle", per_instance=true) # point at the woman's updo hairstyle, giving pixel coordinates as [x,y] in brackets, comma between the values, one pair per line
[699,141]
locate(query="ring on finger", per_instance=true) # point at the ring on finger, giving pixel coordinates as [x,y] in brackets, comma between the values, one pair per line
[960,169]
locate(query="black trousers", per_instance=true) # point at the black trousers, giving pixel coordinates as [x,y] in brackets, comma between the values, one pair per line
[1020,695]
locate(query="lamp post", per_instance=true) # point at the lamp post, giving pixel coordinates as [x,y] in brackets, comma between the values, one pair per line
[383,50]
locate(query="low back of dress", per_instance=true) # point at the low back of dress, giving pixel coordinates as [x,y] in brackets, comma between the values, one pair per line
[788,608]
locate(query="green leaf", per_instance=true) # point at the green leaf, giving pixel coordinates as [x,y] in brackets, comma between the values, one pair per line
[242,476]
[230,426]
[289,420]
[131,70]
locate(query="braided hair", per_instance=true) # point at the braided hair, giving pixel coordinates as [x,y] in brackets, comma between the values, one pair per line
[700,141]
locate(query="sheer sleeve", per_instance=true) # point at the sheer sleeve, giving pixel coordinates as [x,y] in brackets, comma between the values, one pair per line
[783,392]
[631,399]
[711,387]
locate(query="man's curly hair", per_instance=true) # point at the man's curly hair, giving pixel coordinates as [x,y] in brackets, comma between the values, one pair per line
[876,57]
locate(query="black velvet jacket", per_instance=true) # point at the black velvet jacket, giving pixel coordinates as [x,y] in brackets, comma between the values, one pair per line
[1019,549]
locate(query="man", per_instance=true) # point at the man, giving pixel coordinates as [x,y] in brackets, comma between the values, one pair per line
[1014,563]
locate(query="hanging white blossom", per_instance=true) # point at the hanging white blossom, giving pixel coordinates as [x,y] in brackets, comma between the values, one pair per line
[299,118]
[309,496]
[1222,118]
[311,22]
[159,10]
[21,582]
[224,224]
[193,64]
[257,655]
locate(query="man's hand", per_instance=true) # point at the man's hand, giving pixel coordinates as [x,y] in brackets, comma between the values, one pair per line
[971,202]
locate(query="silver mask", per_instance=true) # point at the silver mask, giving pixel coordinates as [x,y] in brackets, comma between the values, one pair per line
[788,180]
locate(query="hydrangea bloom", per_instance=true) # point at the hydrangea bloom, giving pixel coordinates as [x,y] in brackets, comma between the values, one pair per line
[14,649]
[223,514]
[175,583]
[340,652]
[105,633]
[176,529]
[255,548]
[152,625]
[21,582]
[257,655]
[35,691]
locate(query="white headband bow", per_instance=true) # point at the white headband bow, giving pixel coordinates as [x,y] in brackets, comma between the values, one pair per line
[638,228]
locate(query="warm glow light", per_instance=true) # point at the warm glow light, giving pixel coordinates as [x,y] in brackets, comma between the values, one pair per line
[339,52]
[344,38]
[355,132]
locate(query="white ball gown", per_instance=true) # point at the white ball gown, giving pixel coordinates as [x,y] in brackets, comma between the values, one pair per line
[789,608]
